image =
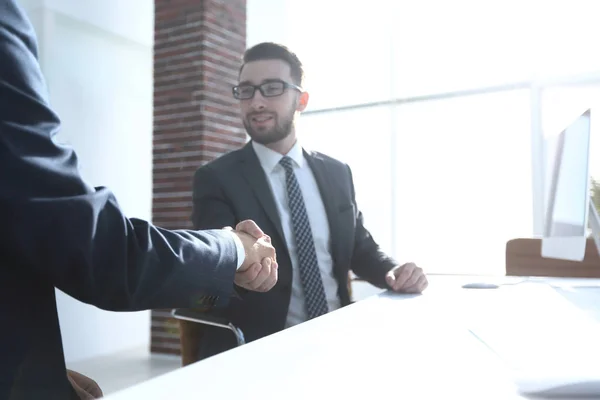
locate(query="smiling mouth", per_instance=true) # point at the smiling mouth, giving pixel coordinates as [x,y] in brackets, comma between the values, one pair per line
[262,118]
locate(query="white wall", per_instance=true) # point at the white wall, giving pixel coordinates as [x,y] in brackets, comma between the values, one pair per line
[98,61]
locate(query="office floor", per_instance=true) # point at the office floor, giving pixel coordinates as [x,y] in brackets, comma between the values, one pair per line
[128,368]
[125,369]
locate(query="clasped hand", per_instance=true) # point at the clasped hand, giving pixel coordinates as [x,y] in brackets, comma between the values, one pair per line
[258,272]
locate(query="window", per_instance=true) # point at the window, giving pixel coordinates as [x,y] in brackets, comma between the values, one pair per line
[464,182]
[361,138]
[459,46]
[456,180]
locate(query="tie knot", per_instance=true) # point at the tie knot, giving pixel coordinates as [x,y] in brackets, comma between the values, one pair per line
[287,163]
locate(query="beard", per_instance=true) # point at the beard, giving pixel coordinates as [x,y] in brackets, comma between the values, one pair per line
[280,130]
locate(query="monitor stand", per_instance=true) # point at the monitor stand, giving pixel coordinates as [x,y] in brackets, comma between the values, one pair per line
[573,247]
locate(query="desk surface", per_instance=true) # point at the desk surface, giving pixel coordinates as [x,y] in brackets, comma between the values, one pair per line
[389,345]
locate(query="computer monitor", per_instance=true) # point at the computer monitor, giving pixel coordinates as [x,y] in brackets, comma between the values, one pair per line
[569,205]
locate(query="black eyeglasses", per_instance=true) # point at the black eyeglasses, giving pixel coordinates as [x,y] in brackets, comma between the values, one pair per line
[267,89]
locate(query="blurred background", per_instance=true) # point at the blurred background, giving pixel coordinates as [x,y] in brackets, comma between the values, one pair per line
[444,111]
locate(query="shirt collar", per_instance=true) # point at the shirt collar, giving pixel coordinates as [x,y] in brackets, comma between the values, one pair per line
[269,159]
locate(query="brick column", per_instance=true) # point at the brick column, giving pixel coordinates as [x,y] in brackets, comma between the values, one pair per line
[197,52]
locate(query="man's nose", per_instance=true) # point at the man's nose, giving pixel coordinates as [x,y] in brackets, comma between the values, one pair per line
[258,101]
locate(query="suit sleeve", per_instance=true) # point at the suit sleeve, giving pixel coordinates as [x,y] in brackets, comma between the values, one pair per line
[369,262]
[56,226]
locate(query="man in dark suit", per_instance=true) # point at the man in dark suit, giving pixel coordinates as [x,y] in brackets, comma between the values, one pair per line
[57,231]
[303,200]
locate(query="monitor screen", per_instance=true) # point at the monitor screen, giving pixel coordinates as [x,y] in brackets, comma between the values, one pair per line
[569,186]
[565,229]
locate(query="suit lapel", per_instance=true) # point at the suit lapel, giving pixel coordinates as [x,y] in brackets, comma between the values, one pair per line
[327,190]
[254,174]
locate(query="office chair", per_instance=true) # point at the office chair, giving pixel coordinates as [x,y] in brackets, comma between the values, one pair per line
[85,387]
[192,323]
[524,258]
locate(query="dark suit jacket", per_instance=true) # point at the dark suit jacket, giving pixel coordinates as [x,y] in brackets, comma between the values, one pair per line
[57,231]
[234,188]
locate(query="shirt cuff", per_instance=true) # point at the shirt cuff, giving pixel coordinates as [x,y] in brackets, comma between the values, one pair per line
[241,252]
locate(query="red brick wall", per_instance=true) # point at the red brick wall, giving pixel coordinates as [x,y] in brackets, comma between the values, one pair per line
[197,51]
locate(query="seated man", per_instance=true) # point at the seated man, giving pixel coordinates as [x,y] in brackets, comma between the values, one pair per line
[303,200]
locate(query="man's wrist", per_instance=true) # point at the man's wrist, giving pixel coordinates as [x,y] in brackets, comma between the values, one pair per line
[241,252]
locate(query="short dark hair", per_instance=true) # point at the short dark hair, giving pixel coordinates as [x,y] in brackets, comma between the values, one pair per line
[274,51]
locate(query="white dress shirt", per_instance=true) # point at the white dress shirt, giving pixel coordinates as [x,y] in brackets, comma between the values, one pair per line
[317,217]
[241,252]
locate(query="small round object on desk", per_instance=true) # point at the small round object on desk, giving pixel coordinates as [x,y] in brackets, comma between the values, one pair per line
[480,285]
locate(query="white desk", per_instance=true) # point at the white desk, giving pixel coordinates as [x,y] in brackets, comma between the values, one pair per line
[387,346]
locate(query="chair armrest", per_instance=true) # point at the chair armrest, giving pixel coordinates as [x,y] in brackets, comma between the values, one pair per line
[191,315]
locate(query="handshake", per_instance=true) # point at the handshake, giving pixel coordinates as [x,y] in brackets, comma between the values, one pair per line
[258,272]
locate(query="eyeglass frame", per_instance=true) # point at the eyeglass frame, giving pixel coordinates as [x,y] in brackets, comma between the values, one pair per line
[286,85]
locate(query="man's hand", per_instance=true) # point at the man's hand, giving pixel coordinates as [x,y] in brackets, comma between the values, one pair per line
[248,226]
[407,278]
[258,272]
[259,277]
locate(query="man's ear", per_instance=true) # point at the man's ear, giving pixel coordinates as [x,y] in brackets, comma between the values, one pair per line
[302,102]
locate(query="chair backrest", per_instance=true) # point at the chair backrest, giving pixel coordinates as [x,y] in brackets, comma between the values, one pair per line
[524,258]
[190,335]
